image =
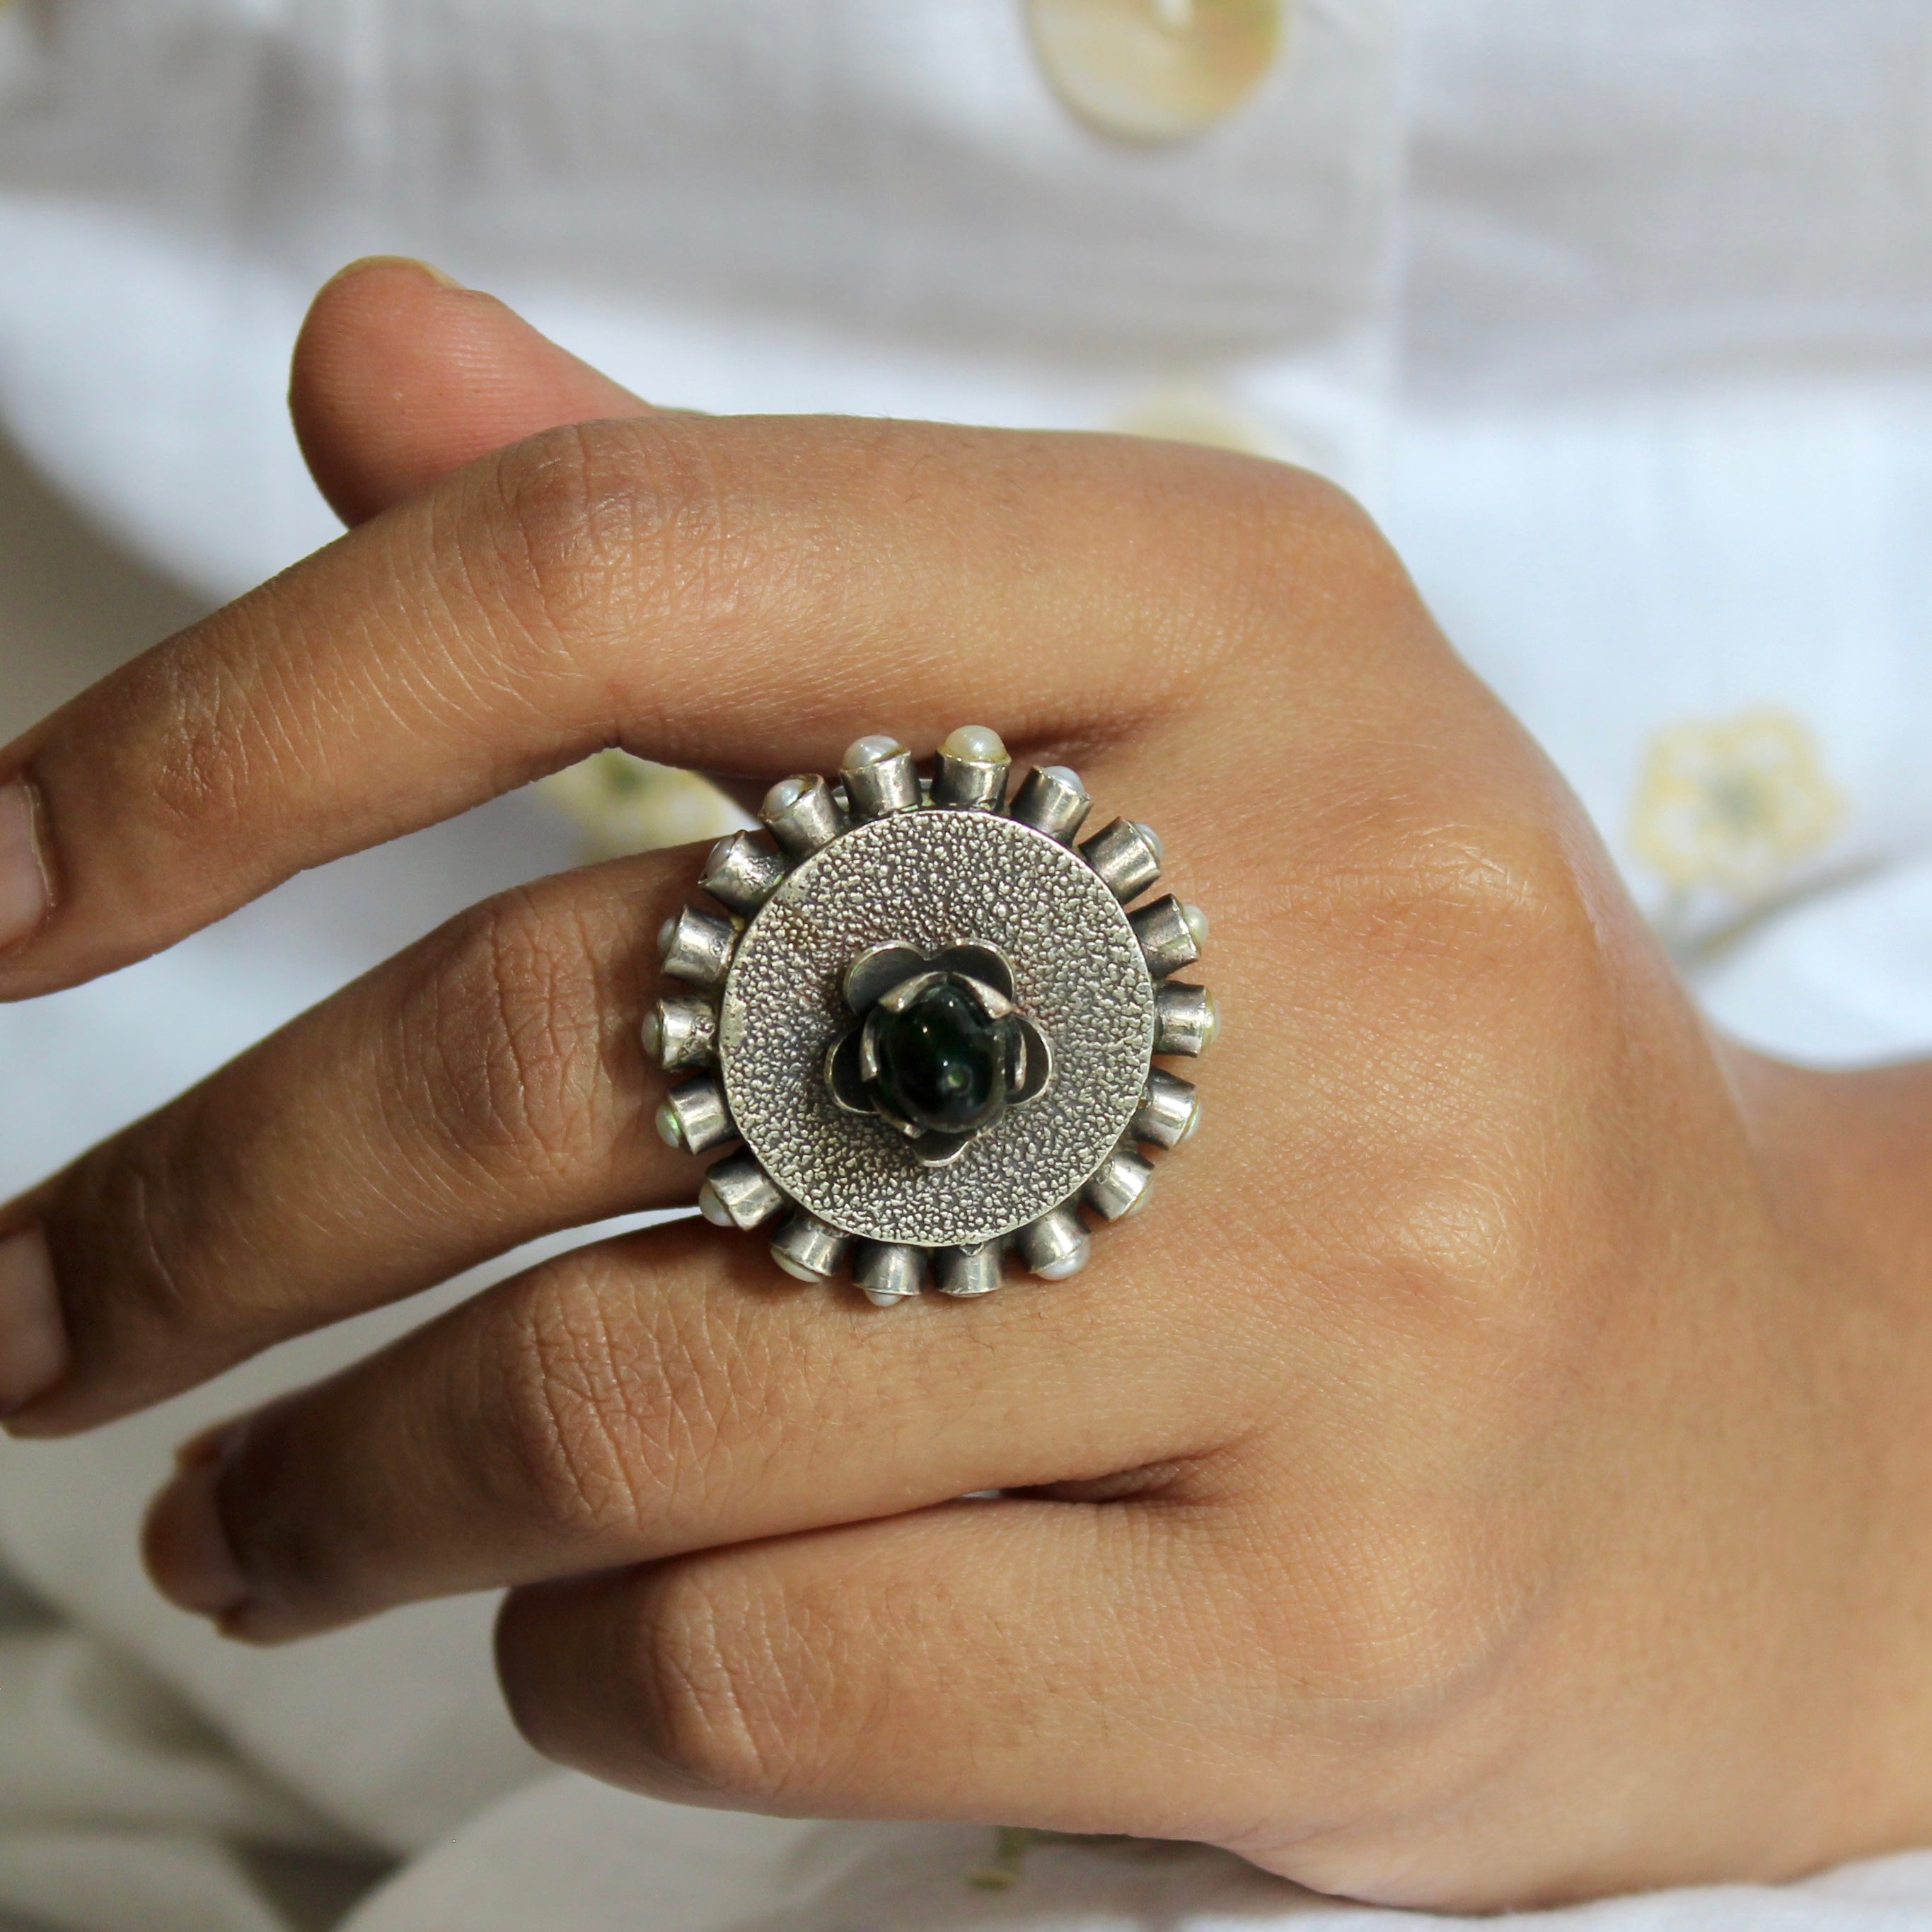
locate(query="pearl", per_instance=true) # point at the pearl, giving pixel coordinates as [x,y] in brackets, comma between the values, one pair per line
[872,751]
[1059,1270]
[1054,1246]
[653,1033]
[802,814]
[977,744]
[1052,800]
[696,947]
[1197,924]
[888,1272]
[880,778]
[738,1193]
[670,1129]
[972,770]
[808,1250]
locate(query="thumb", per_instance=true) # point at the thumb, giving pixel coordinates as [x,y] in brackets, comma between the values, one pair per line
[401,376]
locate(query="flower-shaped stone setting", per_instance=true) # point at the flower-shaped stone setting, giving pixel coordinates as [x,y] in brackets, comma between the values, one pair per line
[938,1052]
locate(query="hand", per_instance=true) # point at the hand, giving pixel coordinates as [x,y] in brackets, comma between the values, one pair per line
[1494,1472]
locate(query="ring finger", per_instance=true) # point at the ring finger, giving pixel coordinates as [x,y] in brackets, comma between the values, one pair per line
[655,1395]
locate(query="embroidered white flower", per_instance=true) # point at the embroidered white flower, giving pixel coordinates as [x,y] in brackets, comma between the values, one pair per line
[1734,804]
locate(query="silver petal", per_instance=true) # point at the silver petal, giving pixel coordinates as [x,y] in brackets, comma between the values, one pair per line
[986,963]
[897,997]
[879,969]
[1037,1075]
[933,1149]
[843,1079]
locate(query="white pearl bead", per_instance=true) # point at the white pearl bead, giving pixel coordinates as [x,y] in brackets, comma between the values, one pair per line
[1212,1025]
[1197,924]
[671,1130]
[712,1208]
[797,1269]
[1059,1270]
[872,751]
[1155,70]
[978,744]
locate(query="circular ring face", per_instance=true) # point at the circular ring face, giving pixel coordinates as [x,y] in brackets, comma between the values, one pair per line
[936,879]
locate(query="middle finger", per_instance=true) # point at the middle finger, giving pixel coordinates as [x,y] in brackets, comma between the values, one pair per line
[483,1087]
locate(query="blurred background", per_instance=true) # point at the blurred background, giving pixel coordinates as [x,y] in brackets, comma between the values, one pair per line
[74,603]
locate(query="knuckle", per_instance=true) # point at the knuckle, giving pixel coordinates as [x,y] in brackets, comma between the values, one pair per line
[1501,890]
[713,1657]
[197,770]
[506,1024]
[166,1270]
[605,523]
[566,1394]
[1461,1244]
[1473,986]
[127,1242]
[610,1409]
[1394,1619]
[556,539]
[1304,545]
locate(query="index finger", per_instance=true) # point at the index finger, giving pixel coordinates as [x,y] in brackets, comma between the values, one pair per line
[738,594]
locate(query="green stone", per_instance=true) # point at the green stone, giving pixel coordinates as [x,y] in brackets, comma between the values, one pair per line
[942,1061]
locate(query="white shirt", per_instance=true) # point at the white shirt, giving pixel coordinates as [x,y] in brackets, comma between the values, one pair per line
[1616,311]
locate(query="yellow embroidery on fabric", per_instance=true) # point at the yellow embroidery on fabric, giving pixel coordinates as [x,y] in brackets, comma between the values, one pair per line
[1008,1860]
[624,804]
[1013,1843]
[1733,804]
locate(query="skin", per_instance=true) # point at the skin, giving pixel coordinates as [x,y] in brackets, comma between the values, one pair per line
[1496,1473]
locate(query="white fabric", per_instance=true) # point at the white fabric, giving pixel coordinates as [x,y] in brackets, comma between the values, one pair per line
[1617,309]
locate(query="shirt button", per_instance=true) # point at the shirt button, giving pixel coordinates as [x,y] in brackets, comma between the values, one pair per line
[1155,70]
[1191,412]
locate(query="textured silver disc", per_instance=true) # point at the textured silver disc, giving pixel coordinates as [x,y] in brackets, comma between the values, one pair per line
[937,878]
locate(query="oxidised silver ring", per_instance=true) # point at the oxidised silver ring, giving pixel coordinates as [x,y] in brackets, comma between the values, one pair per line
[932,1019]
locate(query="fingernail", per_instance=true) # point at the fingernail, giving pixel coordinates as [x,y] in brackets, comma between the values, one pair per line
[199,1452]
[23,879]
[33,1337]
[188,1550]
[441,276]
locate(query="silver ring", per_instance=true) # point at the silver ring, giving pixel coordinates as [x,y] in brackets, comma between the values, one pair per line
[931,1018]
